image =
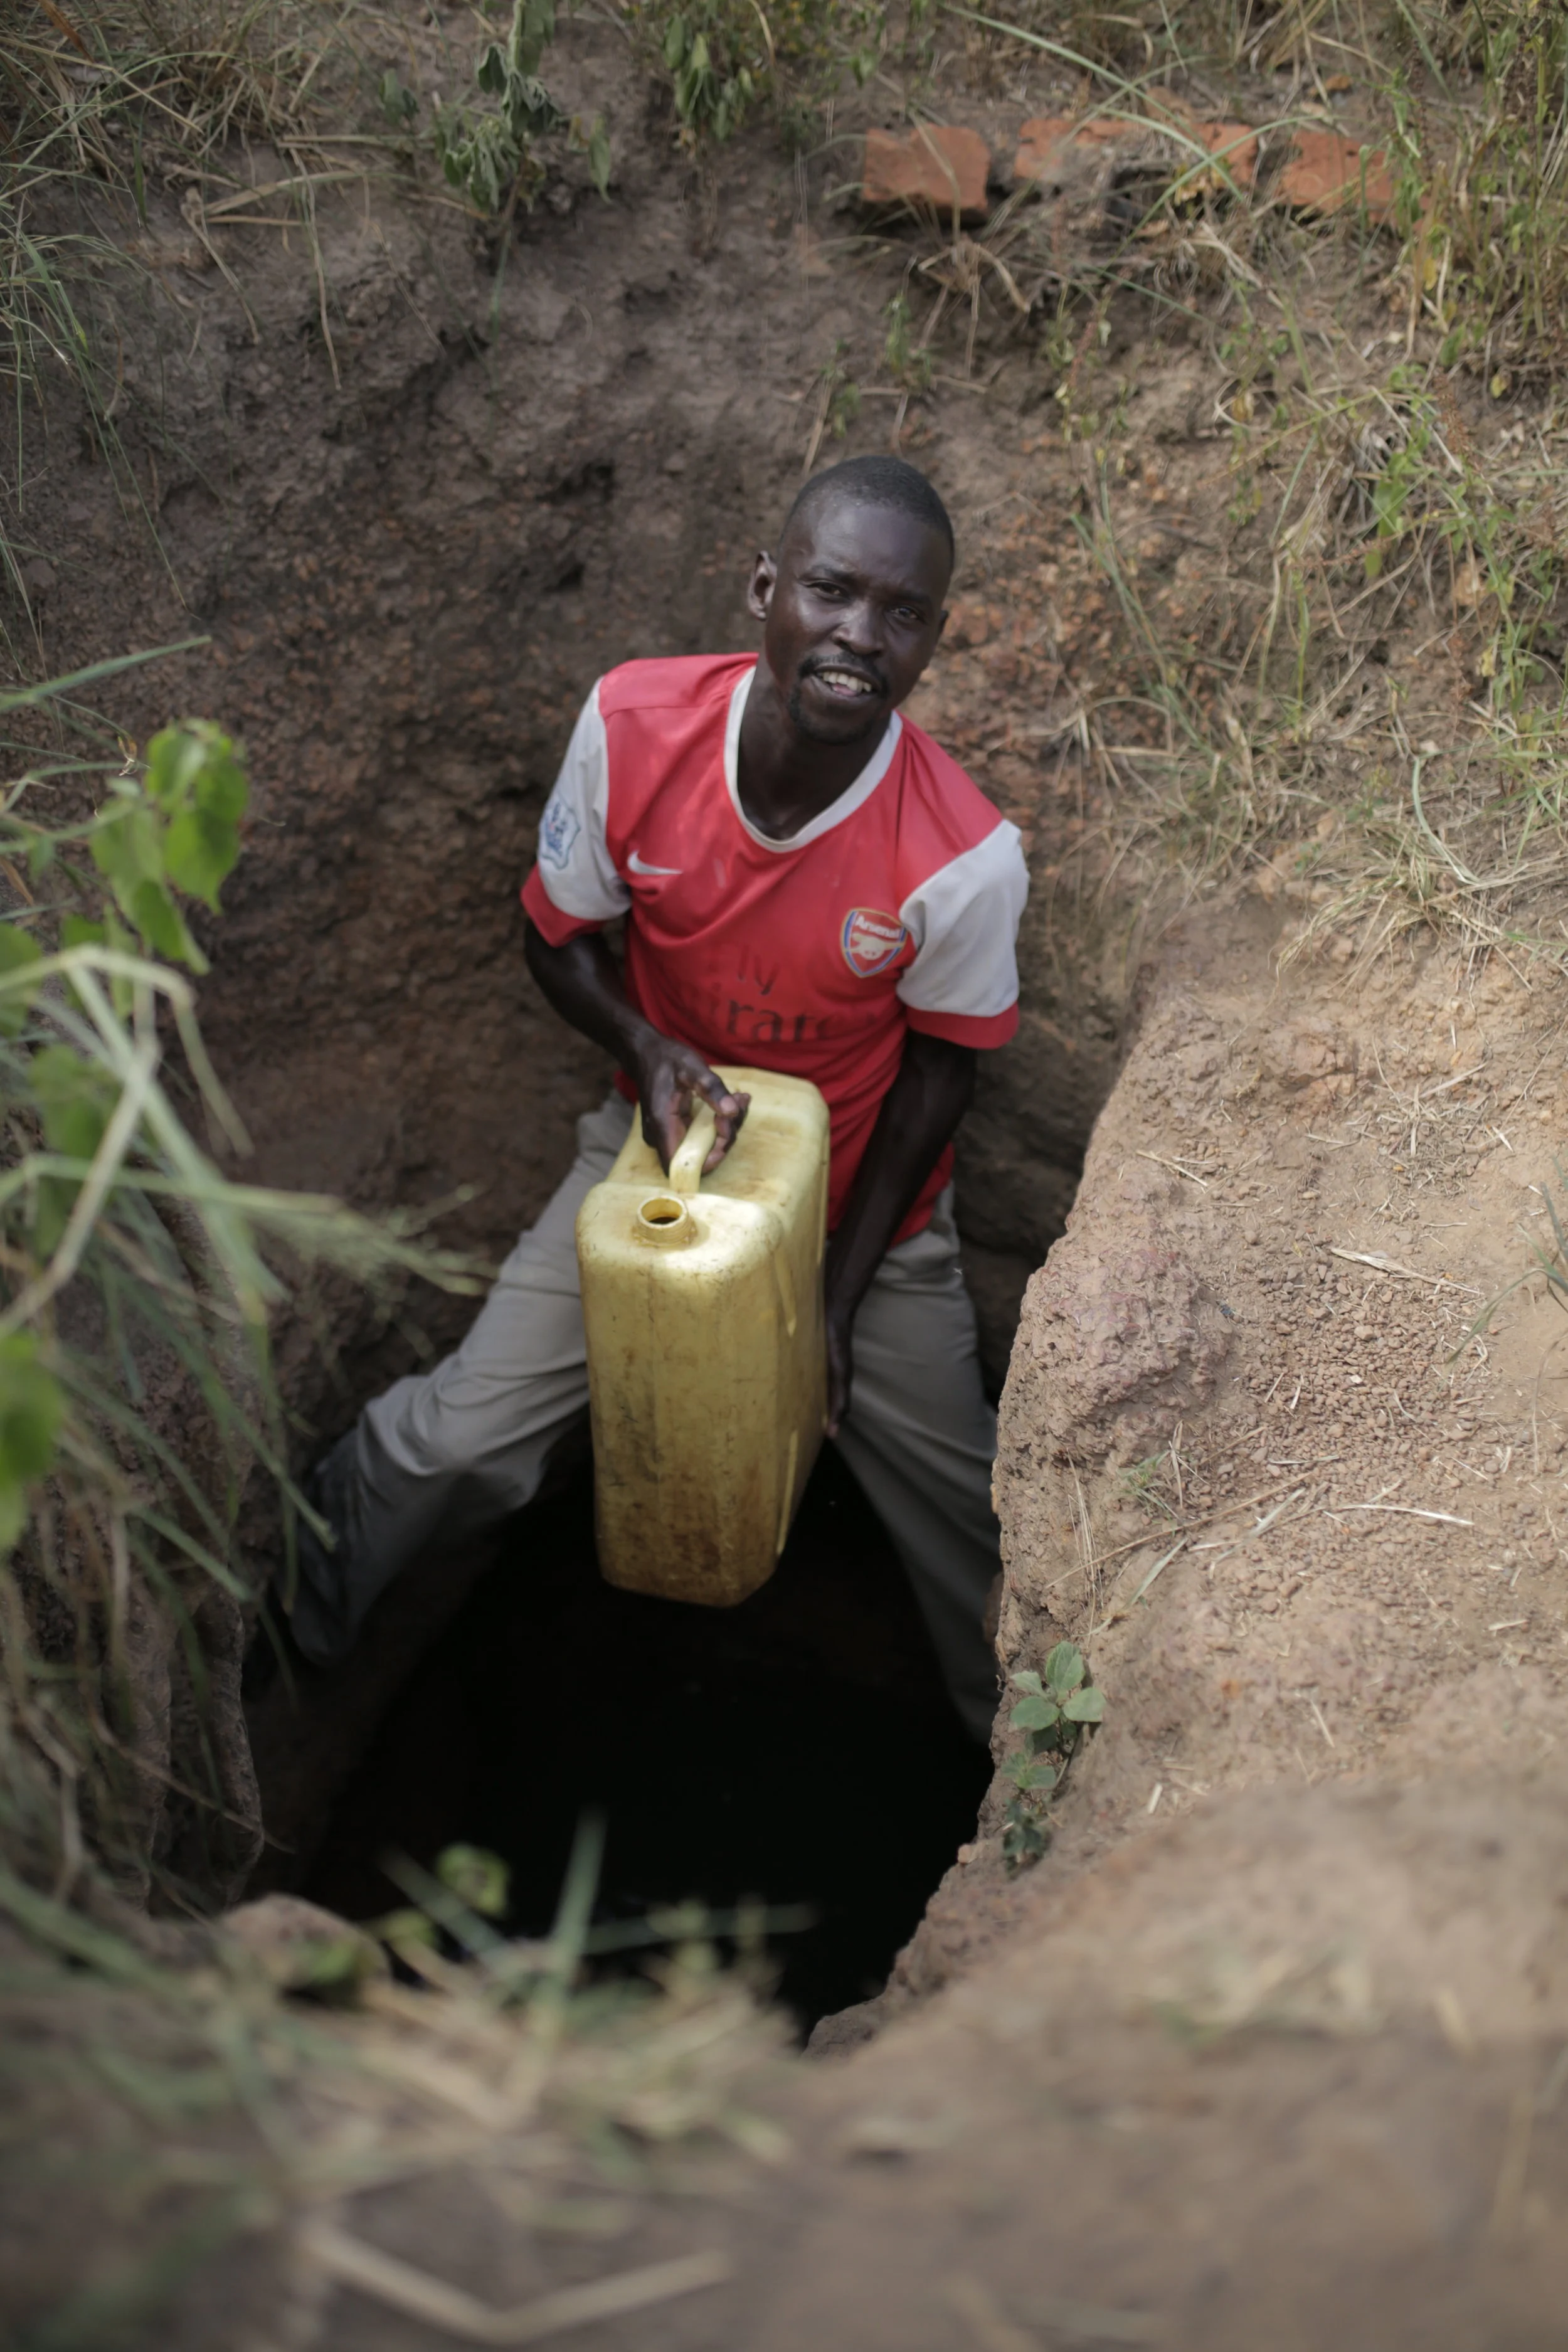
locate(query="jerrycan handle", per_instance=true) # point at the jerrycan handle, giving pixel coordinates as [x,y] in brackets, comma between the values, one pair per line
[686,1168]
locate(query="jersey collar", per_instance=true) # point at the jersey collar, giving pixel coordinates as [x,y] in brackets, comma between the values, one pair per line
[854,796]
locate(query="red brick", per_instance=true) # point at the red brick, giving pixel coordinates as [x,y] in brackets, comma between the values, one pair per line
[1325,173]
[1050,144]
[1238,142]
[930,163]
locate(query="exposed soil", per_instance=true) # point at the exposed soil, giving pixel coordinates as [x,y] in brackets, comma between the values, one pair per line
[1359,1569]
[1247,2052]
[1287,2070]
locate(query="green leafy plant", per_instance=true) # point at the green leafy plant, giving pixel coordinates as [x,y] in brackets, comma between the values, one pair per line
[469,1891]
[173,828]
[1391,496]
[713,79]
[137,1282]
[1142,1482]
[722,57]
[398,102]
[1052,1716]
[490,157]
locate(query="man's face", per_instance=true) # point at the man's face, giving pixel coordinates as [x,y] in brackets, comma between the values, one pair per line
[853,609]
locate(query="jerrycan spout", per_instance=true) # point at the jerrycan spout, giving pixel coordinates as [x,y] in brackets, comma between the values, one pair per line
[664,1222]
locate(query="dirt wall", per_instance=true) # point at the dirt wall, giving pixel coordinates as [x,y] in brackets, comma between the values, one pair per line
[414,502]
[1304,1518]
[413,551]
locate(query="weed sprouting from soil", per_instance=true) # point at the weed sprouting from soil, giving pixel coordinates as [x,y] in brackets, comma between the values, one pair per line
[1052,1715]
[721,59]
[490,156]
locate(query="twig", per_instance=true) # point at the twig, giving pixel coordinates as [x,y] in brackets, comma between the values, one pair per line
[308,212]
[1224,1550]
[1187,1527]
[1086,1542]
[1174,1164]
[1408,1510]
[819,424]
[1159,1565]
[352,2263]
[232,208]
[194,214]
[1380,1264]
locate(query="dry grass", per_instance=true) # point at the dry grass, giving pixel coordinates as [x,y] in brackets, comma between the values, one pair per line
[140,84]
[190,2111]
[1389,493]
[108,109]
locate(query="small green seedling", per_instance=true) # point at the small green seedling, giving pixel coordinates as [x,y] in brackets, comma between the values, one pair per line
[399,103]
[479,1879]
[470,1889]
[1142,1483]
[1051,1715]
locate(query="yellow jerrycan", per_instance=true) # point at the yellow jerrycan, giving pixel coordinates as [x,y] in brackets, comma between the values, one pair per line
[707,1361]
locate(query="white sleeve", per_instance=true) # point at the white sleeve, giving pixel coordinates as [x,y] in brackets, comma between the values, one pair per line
[574,862]
[964,923]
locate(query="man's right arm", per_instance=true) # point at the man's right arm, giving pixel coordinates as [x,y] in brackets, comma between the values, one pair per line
[574,889]
[582,981]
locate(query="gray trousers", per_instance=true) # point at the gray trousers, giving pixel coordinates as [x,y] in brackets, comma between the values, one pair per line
[462,1446]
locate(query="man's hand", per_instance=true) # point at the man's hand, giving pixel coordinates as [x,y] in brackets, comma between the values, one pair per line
[669,1078]
[580,980]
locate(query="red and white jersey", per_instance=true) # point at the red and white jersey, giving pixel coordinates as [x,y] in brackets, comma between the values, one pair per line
[897,908]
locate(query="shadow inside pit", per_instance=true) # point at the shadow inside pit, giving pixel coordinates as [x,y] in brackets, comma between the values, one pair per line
[800,1748]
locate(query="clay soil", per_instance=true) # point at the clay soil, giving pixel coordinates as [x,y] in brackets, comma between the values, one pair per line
[1267,2048]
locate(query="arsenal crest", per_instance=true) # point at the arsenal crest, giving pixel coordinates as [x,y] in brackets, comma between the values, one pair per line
[871,942]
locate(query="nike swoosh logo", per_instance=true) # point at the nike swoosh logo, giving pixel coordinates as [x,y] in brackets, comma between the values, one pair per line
[635,862]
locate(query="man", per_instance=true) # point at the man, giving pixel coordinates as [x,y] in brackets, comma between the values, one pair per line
[809,885]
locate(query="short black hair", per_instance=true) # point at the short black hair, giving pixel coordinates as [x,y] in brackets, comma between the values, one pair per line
[875,481]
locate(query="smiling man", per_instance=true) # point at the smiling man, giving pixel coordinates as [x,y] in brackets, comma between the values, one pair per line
[811,885]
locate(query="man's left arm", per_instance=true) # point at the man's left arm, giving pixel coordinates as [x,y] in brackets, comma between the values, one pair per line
[960,994]
[920,1114]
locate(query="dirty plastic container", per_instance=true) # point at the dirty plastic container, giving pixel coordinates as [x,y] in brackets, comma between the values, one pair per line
[707,1361]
